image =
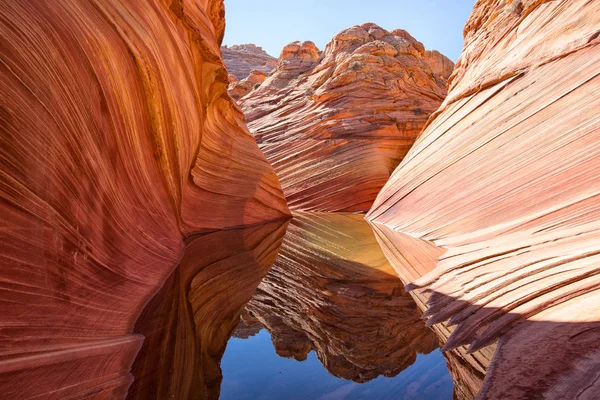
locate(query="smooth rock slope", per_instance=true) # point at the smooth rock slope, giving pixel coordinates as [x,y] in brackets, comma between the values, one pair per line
[506,176]
[335,124]
[117,140]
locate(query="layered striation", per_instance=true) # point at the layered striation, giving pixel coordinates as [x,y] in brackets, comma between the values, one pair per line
[118,139]
[335,124]
[506,177]
[331,290]
[242,59]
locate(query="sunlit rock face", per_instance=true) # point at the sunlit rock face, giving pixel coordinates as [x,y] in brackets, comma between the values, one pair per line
[331,290]
[335,124]
[187,325]
[118,138]
[507,178]
[242,59]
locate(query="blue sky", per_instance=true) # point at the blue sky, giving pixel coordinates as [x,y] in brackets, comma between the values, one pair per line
[272,24]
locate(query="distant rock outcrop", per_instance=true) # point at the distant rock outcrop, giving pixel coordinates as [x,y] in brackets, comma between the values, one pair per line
[506,176]
[238,89]
[117,140]
[335,124]
[241,60]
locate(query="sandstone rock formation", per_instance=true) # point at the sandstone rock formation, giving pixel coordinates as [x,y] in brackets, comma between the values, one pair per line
[117,139]
[507,178]
[242,59]
[238,89]
[187,325]
[331,290]
[335,124]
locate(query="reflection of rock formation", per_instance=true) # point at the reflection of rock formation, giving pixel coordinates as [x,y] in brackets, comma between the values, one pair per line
[242,59]
[248,326]
[332,290]
[117,139]
[507,177]
[336,124]
[187,325]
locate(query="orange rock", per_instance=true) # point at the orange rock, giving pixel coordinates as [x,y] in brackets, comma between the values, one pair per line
[335,124]
[439,63]
[242,59]
[117,140]
[507,178]
[237,90]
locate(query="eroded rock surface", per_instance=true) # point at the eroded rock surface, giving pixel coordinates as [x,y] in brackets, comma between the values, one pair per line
[507,178]
[117,140]
[335,124]
[242,59]
[331,290]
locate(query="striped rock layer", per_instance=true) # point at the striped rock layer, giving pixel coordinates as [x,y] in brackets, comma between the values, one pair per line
[117,140]
[335,124]
[506,177]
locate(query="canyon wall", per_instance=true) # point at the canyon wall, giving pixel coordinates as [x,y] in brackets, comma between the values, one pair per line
[242,59]
[335,124]
[506,177]
[118,139]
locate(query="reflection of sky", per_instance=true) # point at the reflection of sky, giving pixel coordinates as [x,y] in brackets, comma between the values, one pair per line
[253,371]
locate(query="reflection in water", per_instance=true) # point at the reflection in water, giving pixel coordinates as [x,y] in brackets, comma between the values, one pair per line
[331,300]
[332,290]
[187,325]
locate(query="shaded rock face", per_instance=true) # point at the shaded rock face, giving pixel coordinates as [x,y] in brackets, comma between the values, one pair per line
[188,323]
[506,177]
[241,60]
[331,290]
[115,120]
[335,124]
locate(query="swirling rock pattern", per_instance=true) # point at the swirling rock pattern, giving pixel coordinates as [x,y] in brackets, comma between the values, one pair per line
[331,290]
[188,323]
[506,176]
[242,59]
[118,139]
[335,124]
